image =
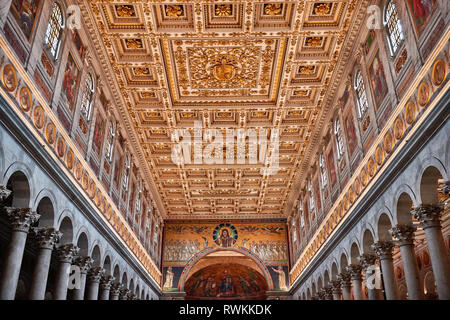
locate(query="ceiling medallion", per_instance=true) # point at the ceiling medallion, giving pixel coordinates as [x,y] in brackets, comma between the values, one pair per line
[321,9]
[223,71]
[273,9]
[174,10]
[134,43]
[125,11]
[314,42]
[223,10]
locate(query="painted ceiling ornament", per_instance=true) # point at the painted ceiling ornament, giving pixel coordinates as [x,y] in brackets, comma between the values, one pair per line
[140,71]
[225,235]
[174,10]
[306,70]
[322,9]
[125,11]
[314,42]
[223,71]
[223,10]
[273,9]
[134,43]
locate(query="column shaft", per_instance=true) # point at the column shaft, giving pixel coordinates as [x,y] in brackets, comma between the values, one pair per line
[12,264]
[40,274]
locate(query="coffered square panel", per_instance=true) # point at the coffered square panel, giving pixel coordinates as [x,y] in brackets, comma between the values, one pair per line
[212,70]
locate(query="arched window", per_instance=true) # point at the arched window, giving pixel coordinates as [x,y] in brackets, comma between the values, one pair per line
[138,199]
[110,142]
[339,141]
[294,230]
[54,30]
[361,94]
[312,204]
[323,173]
[393,26]
[126,173]
[86,101]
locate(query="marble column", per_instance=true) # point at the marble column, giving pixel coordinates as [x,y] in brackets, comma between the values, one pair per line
[368,260]
[336,289]
[47,238]
[328,293]
[429,218]
[94,276]
[123,295]
[383,249]
[21,219]
[346,283]
[115,291]
[105,287]
[404,235]
[65,254]
[84,263]
[356,276]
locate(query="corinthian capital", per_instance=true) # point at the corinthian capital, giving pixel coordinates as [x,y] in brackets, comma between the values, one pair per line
[95,274]
[355,271]
[4,193]
[404,234]
[115,288]
[336,286]
[345,279]
[124,293]
[445,188]
[22,218]
[367,259]
[85,263]
[383,249]
[67,252]
[47,237]
[106,282]
[428,215]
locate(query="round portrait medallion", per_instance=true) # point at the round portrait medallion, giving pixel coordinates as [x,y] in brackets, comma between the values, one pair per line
[78,170]
[50,133]
[225,235]
[60,147]
[379,155]
[423,94]
[39,117]
[70,159]
[25,99]
[410,112]
[371,167]
[398,128]
[9,78]
[363,177]
[388,143]
[439,72]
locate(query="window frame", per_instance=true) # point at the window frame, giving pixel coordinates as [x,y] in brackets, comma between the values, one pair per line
[54,31]
[361,94]
[394,29]
[339,138]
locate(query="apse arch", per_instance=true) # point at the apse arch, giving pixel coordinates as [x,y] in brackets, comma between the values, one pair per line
[185,275]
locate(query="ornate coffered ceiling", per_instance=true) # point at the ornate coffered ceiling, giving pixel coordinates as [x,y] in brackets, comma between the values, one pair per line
[229,65]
